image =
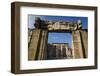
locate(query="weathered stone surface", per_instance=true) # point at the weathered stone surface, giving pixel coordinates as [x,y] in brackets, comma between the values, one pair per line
[43,45]
[77,46]
[57,25]
[84,34]
[59,51]
[80,44]
[38,44]
[65,26]
[34,44]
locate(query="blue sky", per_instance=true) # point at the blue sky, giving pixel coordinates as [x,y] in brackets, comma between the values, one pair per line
[59,37]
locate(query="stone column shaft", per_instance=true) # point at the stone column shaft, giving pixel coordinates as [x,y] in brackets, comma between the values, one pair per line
[77,45]
[32,50]
[84,34]
[43,45]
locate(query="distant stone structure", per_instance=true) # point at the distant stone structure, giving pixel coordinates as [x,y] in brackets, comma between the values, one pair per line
[38,46]
[59,51]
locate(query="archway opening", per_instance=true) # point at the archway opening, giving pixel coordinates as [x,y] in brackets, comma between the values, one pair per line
[59,45]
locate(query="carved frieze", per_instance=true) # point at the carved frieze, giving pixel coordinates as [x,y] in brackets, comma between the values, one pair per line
[57,25]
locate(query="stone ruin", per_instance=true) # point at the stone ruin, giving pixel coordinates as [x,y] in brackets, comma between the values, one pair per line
[37,44]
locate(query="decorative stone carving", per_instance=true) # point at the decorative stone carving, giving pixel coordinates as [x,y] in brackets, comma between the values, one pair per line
[57,25]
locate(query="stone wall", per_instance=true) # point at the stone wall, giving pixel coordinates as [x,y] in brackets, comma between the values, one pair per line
[33,45]
[37,45]
[79,43]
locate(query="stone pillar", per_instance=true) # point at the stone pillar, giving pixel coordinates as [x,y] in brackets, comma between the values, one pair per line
[84,35]
[33,45]
[57,52]
[43,45]
[61,51]
[77,45]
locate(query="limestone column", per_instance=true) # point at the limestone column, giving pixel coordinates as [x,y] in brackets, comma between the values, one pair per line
[34,42]
[77,45]
[43,45]
[57,51]
[84,34]
[61,51]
